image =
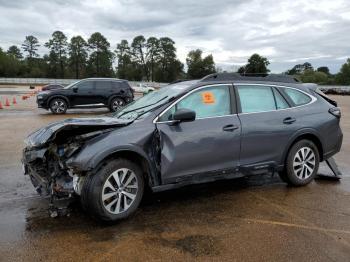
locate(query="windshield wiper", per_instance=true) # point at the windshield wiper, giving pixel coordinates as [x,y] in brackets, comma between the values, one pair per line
[142,107]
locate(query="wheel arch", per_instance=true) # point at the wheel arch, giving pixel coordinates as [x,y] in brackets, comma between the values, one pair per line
[308,135]
[58,96]
[135,156]
[115,96]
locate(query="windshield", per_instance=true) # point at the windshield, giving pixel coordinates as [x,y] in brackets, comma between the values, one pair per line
[152,100]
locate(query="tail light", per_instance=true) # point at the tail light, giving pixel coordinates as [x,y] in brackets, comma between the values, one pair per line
[335,111]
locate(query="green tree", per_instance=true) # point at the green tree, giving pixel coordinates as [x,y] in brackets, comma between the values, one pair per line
[199,67]
[58,52]
[31,62]
[300,69]
[343,77]
[125,68]
[101,58]
[139,51]
[323,69]
[311,76]
[30,46]
[10,66]
[256,65]
[78,55]
[169,68]
[15,52]
[152,55]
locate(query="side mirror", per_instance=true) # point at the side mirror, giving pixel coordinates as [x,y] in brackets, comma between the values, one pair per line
[75,89]
[184,115]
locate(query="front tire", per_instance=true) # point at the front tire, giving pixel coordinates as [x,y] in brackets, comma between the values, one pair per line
[58,106]
[115,191]
[302,163]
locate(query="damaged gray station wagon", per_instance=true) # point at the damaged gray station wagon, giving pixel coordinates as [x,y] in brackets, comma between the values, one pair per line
[222,126]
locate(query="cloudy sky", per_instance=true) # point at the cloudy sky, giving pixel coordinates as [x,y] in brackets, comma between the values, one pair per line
[286,32]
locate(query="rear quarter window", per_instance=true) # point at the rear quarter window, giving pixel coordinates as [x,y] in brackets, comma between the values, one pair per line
[298,98]
[116,85]
[125,85]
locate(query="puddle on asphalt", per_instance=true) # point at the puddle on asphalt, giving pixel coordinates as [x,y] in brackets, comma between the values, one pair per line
[29,219]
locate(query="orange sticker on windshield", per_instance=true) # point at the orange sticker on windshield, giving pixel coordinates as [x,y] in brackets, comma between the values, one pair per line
[208,98]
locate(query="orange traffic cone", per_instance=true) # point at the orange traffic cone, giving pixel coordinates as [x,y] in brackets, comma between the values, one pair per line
[7,102]
[1,105]
[14,100]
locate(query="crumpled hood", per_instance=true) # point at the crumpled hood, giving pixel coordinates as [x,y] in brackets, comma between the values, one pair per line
[44,134]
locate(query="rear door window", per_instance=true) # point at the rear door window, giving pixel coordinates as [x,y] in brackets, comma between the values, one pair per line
[256,98]
[298,98]
[281,103]
[103,85]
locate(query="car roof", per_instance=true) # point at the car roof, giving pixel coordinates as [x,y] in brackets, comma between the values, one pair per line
[236,79]
[104,78]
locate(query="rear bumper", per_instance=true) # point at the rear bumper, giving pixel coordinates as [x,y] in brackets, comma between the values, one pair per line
[129,99]
[335,149]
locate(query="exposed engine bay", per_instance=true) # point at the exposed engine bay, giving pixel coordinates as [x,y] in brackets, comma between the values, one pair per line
[44,160]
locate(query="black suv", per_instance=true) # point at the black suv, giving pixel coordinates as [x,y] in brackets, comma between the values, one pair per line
[222,126]
[87,93]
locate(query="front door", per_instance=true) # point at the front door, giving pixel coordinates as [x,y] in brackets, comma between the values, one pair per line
[84,93]
[210,143]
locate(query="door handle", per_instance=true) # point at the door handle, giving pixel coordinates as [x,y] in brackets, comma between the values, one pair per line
[289,120]
[230,128]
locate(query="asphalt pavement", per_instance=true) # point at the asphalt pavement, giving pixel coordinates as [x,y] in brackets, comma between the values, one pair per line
[249,219]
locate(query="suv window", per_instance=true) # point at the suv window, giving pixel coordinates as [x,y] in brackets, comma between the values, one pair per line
[297,97]
[86,85]
[116,85]
[207,102]
[103,85]
[256,98]
[281,103]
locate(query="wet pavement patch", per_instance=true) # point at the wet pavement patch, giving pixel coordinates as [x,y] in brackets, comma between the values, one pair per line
[196,245]
[199,245]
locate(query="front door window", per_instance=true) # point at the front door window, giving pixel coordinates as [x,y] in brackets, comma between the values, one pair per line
[207,102]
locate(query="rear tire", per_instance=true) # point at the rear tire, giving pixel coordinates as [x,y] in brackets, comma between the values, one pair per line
[58,106]
[302,163]
[116,104]
[114,192]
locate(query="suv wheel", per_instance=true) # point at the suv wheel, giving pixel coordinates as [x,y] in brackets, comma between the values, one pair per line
[116,104]
[115,191]
[58,106]
[302,163]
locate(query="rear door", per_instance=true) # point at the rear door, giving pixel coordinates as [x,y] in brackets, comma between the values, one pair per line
[208,145]
[103,89]
[268,122]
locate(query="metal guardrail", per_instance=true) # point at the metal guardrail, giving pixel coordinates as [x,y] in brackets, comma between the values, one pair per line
[326,87]
[46,81]
[35,81]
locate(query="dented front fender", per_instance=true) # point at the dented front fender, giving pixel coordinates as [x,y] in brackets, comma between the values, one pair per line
[136,138]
